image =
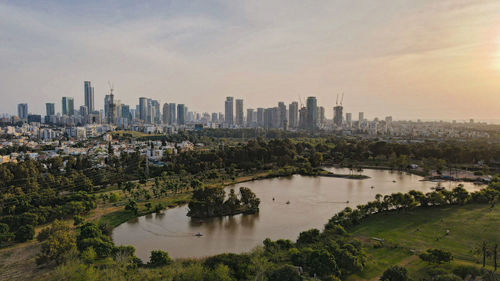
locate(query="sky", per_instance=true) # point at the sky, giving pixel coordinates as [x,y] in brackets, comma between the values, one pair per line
[409,59]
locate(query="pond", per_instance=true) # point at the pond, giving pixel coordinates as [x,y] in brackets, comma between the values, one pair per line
[312,201]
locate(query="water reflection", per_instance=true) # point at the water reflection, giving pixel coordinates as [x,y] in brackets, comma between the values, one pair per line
[313,200]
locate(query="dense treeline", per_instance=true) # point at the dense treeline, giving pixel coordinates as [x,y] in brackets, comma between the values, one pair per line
[212,202]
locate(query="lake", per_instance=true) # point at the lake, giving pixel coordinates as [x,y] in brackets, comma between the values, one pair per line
[312,201]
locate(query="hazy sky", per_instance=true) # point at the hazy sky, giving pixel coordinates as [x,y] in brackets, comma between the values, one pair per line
[408,59]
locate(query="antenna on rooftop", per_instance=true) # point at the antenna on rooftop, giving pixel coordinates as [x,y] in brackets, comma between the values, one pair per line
[110,87]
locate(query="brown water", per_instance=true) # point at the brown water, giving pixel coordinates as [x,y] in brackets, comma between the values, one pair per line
[313,200]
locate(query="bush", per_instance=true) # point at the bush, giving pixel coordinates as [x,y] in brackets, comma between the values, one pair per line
[159,258]
[436,256]
[114,197]
[25,233]
[77,220]
[395,273]
[89,255]
[464,270]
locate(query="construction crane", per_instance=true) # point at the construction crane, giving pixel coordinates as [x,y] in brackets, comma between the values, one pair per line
[300,101]
[342,99]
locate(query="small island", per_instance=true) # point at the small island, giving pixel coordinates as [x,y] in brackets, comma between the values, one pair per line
[212,202]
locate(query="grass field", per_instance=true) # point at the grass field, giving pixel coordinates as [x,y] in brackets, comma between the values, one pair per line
[408,233]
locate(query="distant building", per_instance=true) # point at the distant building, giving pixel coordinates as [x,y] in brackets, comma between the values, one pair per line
[260,117]
[143,108]
[239,112]
[34,118]
[181,117]
[361,116]
[250,113]
[22,111]
[312,113]
[293,114]
[84,111]
[228,106]
[165,113]
[282,115]
[172,116]
[348,119]
[321,115]
[89,96]
[303,122]
[68,106]
[338,115]
[50,109]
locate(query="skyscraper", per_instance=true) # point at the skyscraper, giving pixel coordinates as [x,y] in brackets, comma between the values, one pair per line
[268,118]
[282,115]
[293,114]
[68,106]
[22,111]
[155,118]
[84,111]
[348,119]
[166,113]
[260,117]
[303,118]
[88,96]
[321,115]
[312,113]
[239,112]
[338,115]
[250,120]
[125,112]
[50,109]
[172,115]
[228,106]
[361,116]
[181,114]
[143,108]
[110,108]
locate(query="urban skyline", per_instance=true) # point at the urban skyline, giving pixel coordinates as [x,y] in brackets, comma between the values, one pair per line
[415,59]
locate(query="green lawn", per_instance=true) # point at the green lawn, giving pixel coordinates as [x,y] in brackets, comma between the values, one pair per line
[409,233]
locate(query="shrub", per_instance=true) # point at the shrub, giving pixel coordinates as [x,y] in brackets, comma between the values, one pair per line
[25,233]
[464,270]
[285,273]
[159,258]
[436,256]
[395,273]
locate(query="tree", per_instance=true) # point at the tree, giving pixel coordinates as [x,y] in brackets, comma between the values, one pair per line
[159,258]
[59,244]
[25,233]
[395,273]
[436,256]
[285,273]
[5,235]
[132,206]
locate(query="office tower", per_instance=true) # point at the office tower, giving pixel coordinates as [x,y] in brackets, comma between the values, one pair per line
[282,115]
[143,109]
[185,113]
[388,119]
[166,113]
[50,109]
[172,116]
[215,117]
[348,119]
[260,117]
[228,106]
[276,117]
[221,117]
[239,112]
[338,115]
[125,112]
[250,112]
[180,114]
[110,108]
[268,118]
[321,115]
[361,117]
[88,96]
[293,114]
[303,118]
[155,112]
[22,111]
[68,106]
[84,111]
[312,113]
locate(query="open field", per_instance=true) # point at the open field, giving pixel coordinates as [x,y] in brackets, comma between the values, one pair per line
[408,233]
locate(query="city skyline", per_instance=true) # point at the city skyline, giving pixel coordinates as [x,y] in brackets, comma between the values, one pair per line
[426,60]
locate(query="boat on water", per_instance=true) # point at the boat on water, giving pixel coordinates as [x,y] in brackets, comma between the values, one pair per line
[198,234]
[287,202]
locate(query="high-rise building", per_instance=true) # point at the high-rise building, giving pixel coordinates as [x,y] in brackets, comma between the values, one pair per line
[338,115]
[50,109]
[293,114]
[84,111]
[181,114]
[215,118]
[166,113]
[228,106]
[125,112]
[276,117]
[22,111]
[110,108]
[250,120]
[88,96]
[143,109]
[155,117]
[268,118]
[321,115]
[348,119]
[260,117]
[239,112]
[282,115]
[361,117]
[68,106]
[172,119]
[312,113]
[303,118]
